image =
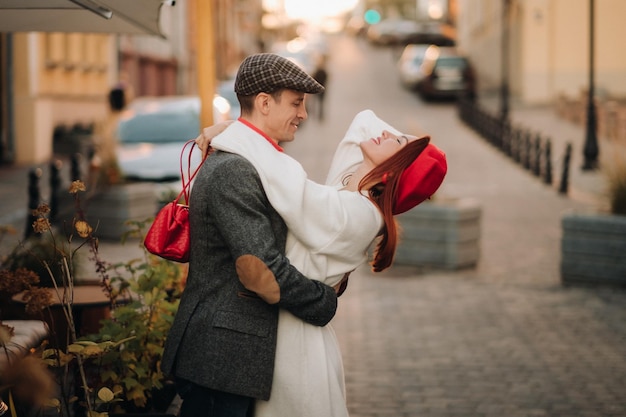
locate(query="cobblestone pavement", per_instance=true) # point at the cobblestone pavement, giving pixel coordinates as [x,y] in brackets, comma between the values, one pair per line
[448,344]
[503,339]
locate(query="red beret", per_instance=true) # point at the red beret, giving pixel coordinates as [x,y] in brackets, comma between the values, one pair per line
[421,179]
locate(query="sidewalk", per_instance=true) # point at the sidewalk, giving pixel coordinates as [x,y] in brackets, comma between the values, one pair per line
[584,185]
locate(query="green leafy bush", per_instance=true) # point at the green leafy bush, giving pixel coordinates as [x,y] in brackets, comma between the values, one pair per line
[149,290]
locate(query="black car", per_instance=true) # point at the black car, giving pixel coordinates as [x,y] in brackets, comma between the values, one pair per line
[446,74]
[429,34]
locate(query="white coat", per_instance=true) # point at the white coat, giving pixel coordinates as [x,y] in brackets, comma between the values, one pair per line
[330,230]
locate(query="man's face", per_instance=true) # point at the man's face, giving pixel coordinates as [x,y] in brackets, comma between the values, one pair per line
[285,114]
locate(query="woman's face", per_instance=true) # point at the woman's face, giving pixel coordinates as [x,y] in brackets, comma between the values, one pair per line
[377,150]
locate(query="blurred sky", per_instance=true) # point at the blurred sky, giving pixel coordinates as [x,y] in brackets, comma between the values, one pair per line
[306,9]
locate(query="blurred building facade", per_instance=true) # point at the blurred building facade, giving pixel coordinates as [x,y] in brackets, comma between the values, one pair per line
[53,79]
[549,44]
[49,80]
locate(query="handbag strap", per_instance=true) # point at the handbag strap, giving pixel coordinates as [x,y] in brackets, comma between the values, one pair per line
[190,175]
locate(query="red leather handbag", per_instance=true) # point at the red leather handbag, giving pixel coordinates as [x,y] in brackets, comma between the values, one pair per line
[168,237]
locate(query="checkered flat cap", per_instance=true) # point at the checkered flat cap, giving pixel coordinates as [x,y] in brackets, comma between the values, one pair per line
[266,73]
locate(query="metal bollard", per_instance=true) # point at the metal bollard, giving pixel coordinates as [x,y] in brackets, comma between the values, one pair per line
[527,150]
[495,132]
[34,195]
[537,155]
[504,139]
[547,173]
[517,147]
[565,174]
[511,142]
[479,124]
[75,161]
[498,132]
[55,185]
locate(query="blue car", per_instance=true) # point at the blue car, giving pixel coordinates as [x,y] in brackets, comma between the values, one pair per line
[153,130]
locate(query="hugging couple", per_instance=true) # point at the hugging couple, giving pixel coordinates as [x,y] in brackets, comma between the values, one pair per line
[271,250]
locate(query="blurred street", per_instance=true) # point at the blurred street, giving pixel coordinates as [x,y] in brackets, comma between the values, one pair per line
[504,339]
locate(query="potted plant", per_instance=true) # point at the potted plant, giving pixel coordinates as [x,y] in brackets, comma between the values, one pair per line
[151,287]
[442,233]
[68,358]
[593,244]
[616,188]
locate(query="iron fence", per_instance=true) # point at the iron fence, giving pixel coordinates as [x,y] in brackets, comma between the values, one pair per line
[530,150]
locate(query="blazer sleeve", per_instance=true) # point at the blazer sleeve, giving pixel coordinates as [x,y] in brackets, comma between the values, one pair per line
[242,214]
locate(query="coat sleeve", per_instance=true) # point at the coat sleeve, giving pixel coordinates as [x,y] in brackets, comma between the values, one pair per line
[329,222]
[242,214]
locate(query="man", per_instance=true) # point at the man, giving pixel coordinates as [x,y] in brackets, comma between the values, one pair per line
[221,347]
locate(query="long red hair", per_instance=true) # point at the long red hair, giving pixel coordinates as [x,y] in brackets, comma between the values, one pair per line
[381,184]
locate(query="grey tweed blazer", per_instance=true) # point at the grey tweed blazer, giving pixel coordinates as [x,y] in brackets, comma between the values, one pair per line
[223,336]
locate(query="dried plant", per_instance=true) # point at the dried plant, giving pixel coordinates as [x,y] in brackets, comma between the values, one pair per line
[26,378]
[116,369]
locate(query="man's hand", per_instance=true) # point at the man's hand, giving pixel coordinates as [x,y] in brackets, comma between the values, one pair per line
[208,133]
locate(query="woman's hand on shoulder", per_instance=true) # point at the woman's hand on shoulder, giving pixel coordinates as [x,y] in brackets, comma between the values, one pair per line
[208,133]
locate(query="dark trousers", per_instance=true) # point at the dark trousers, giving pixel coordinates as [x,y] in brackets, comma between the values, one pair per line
[204,402]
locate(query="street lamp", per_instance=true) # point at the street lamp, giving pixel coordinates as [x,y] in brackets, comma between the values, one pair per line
[504,84]
[590,150]
[205,59]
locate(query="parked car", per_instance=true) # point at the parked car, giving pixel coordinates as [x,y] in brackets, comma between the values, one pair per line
[226,89]
[405,31]
[152,132]
[391,31]
[428,34]
[446,74]
[410,65]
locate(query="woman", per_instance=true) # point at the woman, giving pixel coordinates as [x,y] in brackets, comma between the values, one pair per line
[371,179]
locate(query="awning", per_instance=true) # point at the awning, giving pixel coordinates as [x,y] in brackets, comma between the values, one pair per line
[87,16]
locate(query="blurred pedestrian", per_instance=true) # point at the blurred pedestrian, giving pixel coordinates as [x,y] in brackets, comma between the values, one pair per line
[321,76]
[104,169]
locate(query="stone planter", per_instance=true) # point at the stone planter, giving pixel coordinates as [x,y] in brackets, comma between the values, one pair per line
[110,209]
[593,248]
[442,233]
